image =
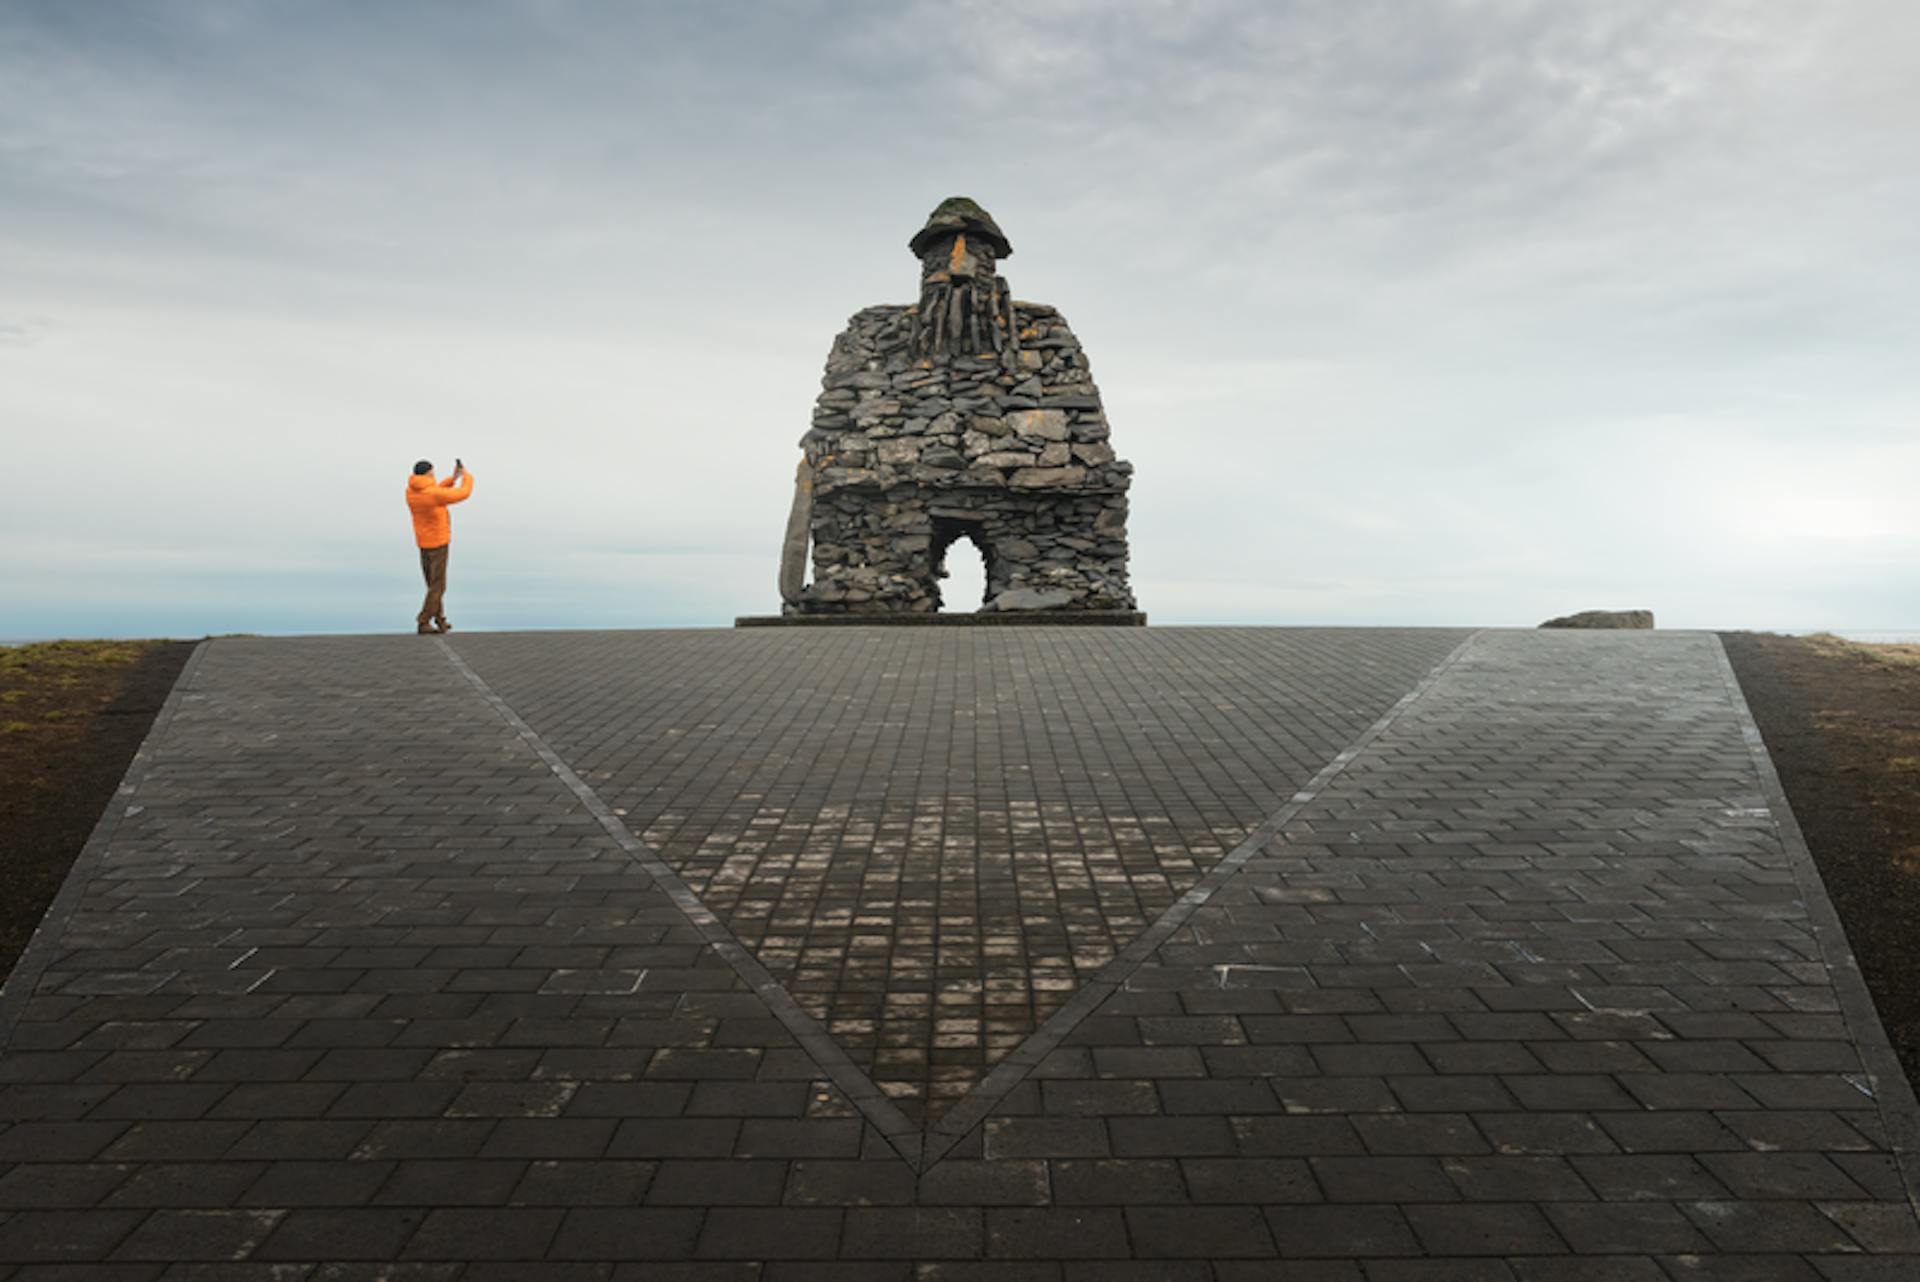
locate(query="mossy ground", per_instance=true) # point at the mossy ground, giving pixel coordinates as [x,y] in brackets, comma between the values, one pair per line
[72,714]
[1842,723]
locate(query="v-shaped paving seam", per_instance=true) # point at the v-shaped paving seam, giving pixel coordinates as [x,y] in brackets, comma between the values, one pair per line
[989,1091]
[922,1147]
[860,1090]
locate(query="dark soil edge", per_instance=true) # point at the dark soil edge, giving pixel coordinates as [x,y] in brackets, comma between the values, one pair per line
[1828,828]
[75,825]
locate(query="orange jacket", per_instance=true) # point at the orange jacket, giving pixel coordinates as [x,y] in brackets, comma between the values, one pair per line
[428,500]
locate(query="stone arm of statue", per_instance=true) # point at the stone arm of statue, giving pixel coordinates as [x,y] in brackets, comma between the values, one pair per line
[793,551]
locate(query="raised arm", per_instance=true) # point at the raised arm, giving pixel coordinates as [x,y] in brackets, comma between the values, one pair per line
[457,490]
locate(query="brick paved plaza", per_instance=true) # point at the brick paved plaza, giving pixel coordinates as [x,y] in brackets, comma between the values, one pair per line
[1020,953]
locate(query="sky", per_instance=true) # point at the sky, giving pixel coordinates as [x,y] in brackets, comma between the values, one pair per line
[1465,313]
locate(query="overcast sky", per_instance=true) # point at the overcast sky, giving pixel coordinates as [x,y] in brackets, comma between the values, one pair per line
[1406,313]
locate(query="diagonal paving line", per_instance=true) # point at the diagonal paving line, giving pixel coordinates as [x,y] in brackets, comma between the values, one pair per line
[859,1089]
[987,1094]
[1892,1093]
[47,936]
[919,1148]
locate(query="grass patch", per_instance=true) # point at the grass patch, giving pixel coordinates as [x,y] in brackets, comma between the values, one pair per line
[52,692]
[71,656]
[1897,653]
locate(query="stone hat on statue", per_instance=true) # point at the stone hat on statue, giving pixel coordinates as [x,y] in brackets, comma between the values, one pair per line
[959,214]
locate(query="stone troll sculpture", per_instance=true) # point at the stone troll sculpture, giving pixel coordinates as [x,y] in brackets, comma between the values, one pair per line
[968,415]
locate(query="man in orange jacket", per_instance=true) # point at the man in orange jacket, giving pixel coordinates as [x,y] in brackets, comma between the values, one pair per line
[428,500]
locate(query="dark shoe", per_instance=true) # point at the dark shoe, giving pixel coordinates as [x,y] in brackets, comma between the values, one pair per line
[443,625]
[428,630]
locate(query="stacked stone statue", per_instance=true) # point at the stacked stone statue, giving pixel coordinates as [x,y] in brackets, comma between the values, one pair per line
[968,415]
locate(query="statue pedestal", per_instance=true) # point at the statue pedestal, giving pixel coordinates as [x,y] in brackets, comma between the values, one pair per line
[991,619]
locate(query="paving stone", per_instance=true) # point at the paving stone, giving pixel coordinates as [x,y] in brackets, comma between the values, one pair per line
[335,1234]
[1441,1133]
[913,1232]
[553,1137]
[863,1271]
[1016,1137]
[1260,1180]
[549,1272]
[688,1182]
[51,1185]
[675,1137]
[985,1183]
[1612,1268]
[813,1137]
[850,1183]
[630,1233]
[58,1235]
[1877,1227]
[57,1141]
[1862,1269]
[1640,1228]
[761,1233]
[495,1233]
[451,1183]
[1441,1270]
[437,1138]
[1771,1226]
[176,1140]
[1516,1178]
[1384,1179]
[410,1272]
[1171,1136]
[170,1235]
[295,1183]
[1484,1228]
[1530,990]
[1139,1271]
[212,1185]
[1741,1268]
[1296,1136]
[1024,1233]
[1647,1177]
[1342,1232]
[250,1271]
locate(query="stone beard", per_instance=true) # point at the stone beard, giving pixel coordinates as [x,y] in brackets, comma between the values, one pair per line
[964,308]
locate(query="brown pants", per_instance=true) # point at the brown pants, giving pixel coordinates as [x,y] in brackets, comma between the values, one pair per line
[433,567]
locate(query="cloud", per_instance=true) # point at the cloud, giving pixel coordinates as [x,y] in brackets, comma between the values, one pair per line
[26,332]
[1431,313]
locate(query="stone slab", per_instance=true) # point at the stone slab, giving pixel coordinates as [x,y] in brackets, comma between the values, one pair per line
[953,619]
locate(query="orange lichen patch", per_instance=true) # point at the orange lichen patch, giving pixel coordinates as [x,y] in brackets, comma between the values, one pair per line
[958,257]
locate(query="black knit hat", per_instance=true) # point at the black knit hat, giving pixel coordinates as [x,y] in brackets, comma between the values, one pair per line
[422,468]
